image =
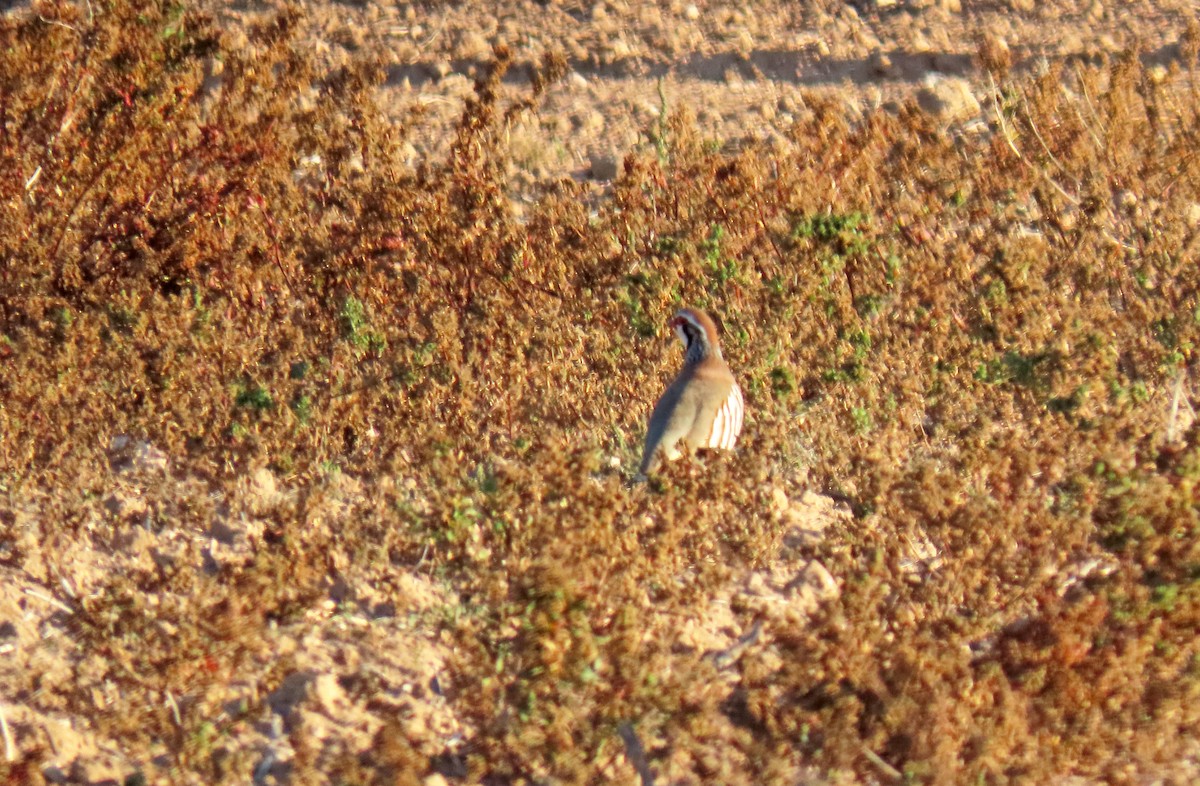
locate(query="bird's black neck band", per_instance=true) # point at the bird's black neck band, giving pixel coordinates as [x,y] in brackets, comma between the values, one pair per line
[697,347]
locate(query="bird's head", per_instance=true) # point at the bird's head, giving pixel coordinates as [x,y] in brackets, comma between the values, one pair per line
[698,333]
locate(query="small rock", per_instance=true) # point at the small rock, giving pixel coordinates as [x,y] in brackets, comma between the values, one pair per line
[263,486]
[779,499]
[1068,218]
[950,99]
[327,693]
[649,110]
[126,454]
[709,631]
[809,517]
[756,584]
[691,12]
[619,49]
[577,80]
[1191,215]
[818,580]
[880,63]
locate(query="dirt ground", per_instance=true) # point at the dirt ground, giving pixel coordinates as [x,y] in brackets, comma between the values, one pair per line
[745,72]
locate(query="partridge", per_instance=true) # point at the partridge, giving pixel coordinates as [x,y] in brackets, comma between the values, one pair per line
[703,407]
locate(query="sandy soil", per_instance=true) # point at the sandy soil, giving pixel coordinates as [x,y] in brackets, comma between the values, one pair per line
[744,70]
[322,686]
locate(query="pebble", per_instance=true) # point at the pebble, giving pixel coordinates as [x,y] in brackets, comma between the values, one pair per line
[327,692]
[881,64]
[949,98]
[1192,215]
[619,49]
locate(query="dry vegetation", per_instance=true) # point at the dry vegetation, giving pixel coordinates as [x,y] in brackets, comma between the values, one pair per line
[982,341]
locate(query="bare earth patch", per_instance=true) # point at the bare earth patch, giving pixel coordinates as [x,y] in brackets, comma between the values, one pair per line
[353,672]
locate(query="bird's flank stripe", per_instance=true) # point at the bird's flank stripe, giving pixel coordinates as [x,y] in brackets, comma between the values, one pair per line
[727,424]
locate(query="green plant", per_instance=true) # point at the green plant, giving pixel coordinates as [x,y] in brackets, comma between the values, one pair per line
[720,270]
[357,329]
[254,397]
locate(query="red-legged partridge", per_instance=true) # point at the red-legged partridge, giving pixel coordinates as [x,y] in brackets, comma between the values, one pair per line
[703,407]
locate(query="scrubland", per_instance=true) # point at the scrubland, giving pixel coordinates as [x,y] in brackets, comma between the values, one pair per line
[315,463]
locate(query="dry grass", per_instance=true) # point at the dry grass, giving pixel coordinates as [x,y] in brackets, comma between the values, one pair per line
[973,338]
